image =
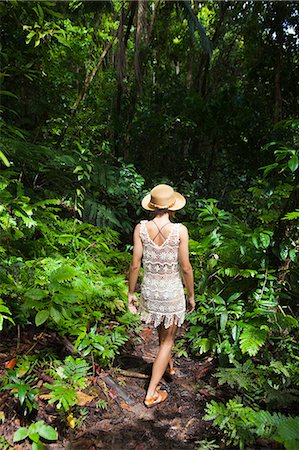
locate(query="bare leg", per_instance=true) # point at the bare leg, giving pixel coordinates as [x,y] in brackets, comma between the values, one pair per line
[167,336]
[170,363]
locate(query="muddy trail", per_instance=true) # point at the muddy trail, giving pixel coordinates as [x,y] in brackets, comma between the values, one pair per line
[125,423]
[128,424]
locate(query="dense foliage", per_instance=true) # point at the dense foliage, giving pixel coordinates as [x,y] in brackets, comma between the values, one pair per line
[100,101]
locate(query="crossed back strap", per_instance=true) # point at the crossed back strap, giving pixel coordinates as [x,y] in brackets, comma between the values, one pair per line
[159,230]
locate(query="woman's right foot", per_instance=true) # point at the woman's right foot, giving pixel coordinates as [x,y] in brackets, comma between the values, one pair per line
[160,397]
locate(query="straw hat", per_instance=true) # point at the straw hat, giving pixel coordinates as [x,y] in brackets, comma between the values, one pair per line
[163,197]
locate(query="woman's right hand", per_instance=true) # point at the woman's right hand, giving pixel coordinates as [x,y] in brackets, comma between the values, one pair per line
[191,301]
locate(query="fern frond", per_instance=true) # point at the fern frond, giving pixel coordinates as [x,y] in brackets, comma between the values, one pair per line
[252,339]
[288,433]
[282,397]
[240,376]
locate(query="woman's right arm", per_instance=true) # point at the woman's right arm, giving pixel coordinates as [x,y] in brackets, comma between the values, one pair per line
[186,266]
[134,269]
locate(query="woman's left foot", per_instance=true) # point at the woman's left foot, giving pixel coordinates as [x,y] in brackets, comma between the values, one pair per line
[170,371]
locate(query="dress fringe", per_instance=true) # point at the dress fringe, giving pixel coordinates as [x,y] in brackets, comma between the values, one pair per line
[167,319]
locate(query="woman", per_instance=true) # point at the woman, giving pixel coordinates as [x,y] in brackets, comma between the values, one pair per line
[163,248]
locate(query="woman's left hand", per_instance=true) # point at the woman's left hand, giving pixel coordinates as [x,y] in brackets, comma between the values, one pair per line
[132,303]
[191,302]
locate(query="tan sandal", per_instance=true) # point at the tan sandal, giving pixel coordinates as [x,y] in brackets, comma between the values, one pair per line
[170,371]
[152,401]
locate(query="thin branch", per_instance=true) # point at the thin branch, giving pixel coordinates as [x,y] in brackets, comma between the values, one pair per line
[87,82]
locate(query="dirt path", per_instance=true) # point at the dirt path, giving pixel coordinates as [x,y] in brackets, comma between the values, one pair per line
[175,424]
[126,423]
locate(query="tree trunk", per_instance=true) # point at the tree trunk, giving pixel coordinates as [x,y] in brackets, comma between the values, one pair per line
[120,68]
[202,78]
[280,16]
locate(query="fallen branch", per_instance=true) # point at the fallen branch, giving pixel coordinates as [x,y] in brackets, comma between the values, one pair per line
[120,391]
[132,374]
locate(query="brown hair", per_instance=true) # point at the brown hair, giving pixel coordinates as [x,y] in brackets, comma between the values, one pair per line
[160,212]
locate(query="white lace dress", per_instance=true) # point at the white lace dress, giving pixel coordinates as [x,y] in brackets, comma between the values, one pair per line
[162,291]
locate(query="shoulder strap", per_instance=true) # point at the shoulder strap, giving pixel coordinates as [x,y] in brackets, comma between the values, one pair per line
[159,230]
[177,231]
[143,232]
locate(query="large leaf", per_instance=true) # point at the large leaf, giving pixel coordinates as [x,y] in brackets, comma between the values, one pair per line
[20,434]
[36,294]
[37,446]
[4,159]
[55,314]
[41,317]
[291,215]
[223,320]
[63,273]
[288,433]
[47,432]
[252,339]
[293,163]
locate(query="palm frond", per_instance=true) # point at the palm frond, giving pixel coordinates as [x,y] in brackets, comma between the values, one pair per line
[194,26]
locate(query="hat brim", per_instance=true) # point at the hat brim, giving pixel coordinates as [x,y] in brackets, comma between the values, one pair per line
[179,203]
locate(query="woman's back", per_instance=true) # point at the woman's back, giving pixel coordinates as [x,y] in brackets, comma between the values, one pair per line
[159,231]
[160,258]
[163,248]
[162,292]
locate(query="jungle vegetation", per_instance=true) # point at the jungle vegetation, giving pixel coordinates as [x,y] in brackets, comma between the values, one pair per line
[100,101]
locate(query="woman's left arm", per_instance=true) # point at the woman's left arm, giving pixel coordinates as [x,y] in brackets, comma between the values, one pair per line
[134,269]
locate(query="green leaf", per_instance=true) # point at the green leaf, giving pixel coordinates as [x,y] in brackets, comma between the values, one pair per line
[265,239]
[54,13]
[233,297]
[218,300]
[284,253]
[287,432]
[40,11]
[293,163]
[269,168]
[22,390]
[292,254]
[20,434]
[254,241]
[63,273]
[223,320]
[36,294]
[291,215]
[34,436]
[48,432]
[9,94]
[41,317]
[55,314]
[252,339]
[37,446]
[4,159]
[235,332]
[204,345]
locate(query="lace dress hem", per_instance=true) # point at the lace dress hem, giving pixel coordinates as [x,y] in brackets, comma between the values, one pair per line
[167,319]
